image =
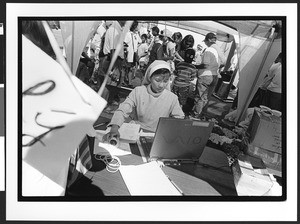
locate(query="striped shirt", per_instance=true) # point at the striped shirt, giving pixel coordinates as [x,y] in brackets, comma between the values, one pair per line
[184,73]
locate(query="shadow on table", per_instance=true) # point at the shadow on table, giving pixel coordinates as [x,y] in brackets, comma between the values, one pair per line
[83,188]
[220,180]
[212,168]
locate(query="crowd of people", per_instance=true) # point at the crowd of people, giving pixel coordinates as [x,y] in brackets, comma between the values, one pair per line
[193,72]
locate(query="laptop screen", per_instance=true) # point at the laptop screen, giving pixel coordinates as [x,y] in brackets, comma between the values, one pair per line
[180,139]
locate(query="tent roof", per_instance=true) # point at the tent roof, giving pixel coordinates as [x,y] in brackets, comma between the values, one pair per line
[251,27]
[225,29]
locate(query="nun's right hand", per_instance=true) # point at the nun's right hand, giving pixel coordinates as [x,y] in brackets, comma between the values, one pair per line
[113,133]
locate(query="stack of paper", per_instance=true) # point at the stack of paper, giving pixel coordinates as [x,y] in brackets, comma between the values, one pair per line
[147,179]
[129,132]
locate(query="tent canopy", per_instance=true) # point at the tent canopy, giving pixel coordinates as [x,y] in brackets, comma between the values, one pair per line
[226,30]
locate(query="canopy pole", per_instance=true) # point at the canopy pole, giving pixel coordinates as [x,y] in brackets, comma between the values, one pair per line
[231,53]
[245,106]
[115,55]
[72,48]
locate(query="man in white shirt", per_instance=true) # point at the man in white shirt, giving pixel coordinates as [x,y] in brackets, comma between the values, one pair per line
[207,75]
[112,37]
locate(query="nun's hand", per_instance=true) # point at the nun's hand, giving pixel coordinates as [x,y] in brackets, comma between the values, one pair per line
[113,133]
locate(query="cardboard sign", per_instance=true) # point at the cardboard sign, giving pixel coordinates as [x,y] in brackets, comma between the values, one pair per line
[57,112]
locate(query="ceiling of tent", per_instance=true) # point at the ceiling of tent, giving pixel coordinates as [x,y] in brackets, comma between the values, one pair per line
[225,29]
[258,28]
[224,33]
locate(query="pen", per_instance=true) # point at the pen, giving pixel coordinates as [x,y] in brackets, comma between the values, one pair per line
[178,189]
[100,124]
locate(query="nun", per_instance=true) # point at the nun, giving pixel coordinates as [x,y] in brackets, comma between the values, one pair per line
[147,103]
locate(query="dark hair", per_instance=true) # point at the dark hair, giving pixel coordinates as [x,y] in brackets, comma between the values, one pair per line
[134,25]
[189,55]
[176,35]
[187,38]
[34,31]
[145,36]
[155,29]
[161,71]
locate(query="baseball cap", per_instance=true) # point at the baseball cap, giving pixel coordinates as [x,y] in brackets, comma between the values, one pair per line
[210,36]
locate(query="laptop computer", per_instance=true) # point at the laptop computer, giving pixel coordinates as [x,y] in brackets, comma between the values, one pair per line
[177,140]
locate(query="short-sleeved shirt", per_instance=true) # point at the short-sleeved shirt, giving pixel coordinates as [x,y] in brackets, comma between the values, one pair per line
[211,59]
[132,40]
[142,49]
[170,48]
[112,37]
[221,56]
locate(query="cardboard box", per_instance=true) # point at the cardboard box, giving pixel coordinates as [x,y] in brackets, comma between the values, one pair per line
[265,131]
[251,177]
[272,160]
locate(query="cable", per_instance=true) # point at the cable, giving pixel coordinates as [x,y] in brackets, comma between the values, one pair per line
[112,162]
[205,165]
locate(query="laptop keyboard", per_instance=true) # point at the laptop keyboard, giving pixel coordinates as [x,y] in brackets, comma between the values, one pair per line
[146,143]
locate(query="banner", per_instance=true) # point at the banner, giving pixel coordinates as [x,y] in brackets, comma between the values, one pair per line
[76,35]
[57,112]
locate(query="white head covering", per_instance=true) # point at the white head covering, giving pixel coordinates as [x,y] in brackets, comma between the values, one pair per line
[157,64]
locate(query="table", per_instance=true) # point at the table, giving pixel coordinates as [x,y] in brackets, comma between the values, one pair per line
[213,179]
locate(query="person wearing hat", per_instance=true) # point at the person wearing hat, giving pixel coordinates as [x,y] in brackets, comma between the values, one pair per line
[198,55]
[148,102]
[169,49]
[208,72]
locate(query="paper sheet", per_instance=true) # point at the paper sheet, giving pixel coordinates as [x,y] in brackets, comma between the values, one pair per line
[146,134]
[105,148]
[129,131]
[147,179]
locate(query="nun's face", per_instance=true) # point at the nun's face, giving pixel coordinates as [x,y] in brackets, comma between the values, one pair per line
[159,82]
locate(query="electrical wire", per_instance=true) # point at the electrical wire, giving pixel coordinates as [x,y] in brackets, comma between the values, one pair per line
[112,162]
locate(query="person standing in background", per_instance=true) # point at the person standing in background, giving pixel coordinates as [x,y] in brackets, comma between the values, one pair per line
[98,45]
[143,52]
[198,55]
[177,37]
[185,72]
[112,37]
[156,51]
[272,84]
[155,38]
[208,73]
[187,42]
[169,49]
[132,40]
